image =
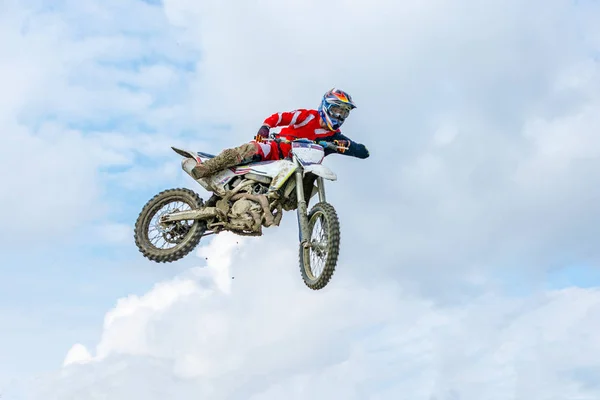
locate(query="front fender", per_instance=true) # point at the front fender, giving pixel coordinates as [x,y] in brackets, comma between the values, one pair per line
[321,170]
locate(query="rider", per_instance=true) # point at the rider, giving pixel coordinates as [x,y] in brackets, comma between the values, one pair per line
[321,125]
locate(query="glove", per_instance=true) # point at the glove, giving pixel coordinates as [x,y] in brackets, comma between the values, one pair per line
[342,145]
[339,146]
[262,133]
[327,145]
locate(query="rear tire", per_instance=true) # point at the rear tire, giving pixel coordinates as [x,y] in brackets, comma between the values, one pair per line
[326,214]
[189,235]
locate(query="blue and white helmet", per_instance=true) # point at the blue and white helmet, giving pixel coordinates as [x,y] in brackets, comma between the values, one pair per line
[335,108]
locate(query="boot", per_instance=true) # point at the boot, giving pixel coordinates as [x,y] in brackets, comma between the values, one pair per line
[227,158]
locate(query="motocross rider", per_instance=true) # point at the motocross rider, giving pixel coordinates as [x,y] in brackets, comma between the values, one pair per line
[321,125]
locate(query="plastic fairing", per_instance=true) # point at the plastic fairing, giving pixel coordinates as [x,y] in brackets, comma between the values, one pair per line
[308,153]
[187,154]
[265,168]
[321,170]
[196,155]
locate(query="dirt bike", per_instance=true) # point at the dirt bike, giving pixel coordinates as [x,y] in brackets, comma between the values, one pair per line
[240,204]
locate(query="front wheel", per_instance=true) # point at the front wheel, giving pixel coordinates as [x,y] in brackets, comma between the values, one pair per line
[173,241]
[318,258]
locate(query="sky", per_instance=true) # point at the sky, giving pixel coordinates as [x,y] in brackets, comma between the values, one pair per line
[469,265]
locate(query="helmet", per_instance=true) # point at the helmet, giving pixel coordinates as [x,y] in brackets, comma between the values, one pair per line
[335,108]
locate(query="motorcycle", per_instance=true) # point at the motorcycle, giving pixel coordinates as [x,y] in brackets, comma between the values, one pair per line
[240,204]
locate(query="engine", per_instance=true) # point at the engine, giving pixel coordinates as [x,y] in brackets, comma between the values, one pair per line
[259,188]
[248,211]
[250,186]
[249,208]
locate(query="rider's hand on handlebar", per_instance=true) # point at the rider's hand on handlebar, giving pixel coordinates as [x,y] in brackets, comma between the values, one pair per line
[342,145]
[327,145]
[262,133]
[337,145]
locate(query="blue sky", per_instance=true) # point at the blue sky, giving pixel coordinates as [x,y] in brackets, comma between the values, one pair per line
[63,285]
[481,127]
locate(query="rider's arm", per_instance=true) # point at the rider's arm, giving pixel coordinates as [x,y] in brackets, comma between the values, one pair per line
[282,118]
[347,147]
[278,119]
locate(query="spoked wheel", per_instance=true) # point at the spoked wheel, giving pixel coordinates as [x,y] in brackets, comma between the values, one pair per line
[174,240]
[319,258]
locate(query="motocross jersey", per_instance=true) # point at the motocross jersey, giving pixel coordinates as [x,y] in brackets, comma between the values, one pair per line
[303,124]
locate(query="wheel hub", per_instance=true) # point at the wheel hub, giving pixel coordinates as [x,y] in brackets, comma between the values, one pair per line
[172,231]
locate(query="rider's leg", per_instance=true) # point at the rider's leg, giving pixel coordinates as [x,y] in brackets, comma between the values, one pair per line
[248,152]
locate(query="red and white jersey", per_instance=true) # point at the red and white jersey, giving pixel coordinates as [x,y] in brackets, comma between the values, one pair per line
[299,124]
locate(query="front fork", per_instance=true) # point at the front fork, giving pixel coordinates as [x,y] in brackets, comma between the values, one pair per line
[303,233]
[302,210]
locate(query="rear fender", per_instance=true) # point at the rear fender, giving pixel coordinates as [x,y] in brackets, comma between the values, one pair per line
[187,154]
[196,155]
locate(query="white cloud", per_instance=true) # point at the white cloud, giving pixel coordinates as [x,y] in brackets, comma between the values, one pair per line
[406,64]
[498,86]
[78,354]
[265,336]
[64,80]
[481,122]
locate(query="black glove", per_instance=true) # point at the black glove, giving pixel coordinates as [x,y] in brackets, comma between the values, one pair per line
[262,133]
[328,145]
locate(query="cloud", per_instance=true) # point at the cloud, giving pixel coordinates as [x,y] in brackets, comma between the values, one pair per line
[417,70]
[78,354]
[481,122]
[263,335]
[87,102]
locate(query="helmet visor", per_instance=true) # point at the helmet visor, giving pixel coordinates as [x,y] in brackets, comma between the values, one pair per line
[339,112]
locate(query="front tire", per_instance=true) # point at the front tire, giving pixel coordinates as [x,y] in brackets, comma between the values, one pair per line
[184,236]
[325,246]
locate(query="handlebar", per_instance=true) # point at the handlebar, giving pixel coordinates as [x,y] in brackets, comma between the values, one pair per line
[326,145]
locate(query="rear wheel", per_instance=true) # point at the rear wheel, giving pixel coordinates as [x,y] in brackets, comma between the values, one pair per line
[176,239]
[319,258]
